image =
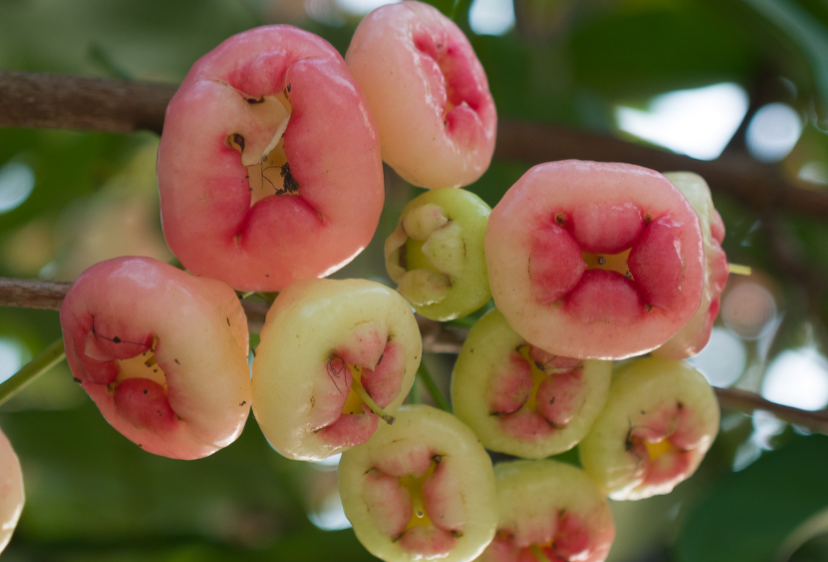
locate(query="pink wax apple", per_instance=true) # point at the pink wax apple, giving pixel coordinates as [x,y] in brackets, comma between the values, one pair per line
[269,167]
[592,260]
[162,353]
[428,93]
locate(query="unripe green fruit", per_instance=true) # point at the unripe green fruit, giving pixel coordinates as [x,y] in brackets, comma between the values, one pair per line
[436,254]
[422,488]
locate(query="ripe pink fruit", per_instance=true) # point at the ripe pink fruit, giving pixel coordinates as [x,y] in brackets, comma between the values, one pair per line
[695,335]
[12,497]
[162,353]
[323,344]
[592,260]
[660,419]
[521,400]
[552,508]
[422,488]
[269,167]
[428,93]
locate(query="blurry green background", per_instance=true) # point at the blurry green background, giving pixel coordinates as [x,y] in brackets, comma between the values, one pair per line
[747,77]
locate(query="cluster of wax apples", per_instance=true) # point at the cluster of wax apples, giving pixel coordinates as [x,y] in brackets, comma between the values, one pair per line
[270,176]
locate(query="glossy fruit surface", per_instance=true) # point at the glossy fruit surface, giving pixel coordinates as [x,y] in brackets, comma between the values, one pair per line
[162,353]
[269,166]
[428,92]
[660,419]
[323,342]
[695,335]
[551,508]
[12,496]
[422,488]
[436,254]
[593,260]
[519,399]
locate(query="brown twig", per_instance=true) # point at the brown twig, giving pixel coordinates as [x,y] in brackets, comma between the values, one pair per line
[34,100]
[437,338]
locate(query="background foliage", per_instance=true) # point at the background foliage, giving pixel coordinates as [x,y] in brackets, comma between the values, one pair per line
[760,495]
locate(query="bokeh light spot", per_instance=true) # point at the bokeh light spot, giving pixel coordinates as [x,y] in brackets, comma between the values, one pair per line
[13,355]
[748,309]
[798,378]
[362,7]
[330,516]
[492,17]
[698,122]
[773,132]
[17,181]
[723,359]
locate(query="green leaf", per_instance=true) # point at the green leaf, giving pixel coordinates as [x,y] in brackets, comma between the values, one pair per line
[750,514]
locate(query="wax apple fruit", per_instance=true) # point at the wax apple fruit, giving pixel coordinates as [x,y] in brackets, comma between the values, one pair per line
[521,400]
[695,335]
[659,421]
[422,488]
[11,491]
[329,348]
[162,353]
[593,260]
[269,166]
[428,93]
[551,508]
[436,254]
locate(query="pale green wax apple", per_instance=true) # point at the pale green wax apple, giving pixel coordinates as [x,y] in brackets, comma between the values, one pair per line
[695,335]
[552,508]
[660,419]
[436,254]
[333,355]
[422,488]
[521,400]
[11,491]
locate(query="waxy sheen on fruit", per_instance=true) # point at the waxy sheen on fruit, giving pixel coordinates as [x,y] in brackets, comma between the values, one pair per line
[593,260]
[694,336]
[436,254]
[269,167]
[324,343]
[660,419]
[427,91]
[521,400]
[552,508]
[422,488]
[12,496]
[162,353]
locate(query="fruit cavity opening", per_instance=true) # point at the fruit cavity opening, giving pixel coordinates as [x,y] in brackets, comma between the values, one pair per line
[609,262]
[144,366]
[268,170]
[414,486]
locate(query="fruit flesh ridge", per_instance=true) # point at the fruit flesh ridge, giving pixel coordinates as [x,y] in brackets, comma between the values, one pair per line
[550,508]
[426,461]
[659,421]
[320,338]
[195,332]
[522,400]
[551,226]
[428,93]
[210,217]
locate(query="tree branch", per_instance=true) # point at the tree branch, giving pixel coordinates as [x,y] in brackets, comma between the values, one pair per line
[34,100]
[437,338]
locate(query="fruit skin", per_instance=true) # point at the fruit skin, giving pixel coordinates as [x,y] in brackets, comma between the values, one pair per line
[331,145]
[196,331]
[569,310]
[463,493]
[12,496]
[455,239]
[552,506]
[694,336]
[491,349]
[655,401]
[428,92]
[299,386]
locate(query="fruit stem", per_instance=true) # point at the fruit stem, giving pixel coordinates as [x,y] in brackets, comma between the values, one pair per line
[538,553]
[45,360]
[357,387]
[436,395]
[737,269]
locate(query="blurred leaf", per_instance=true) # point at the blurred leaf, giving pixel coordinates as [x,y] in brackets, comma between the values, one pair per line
[810,37]
[749,514]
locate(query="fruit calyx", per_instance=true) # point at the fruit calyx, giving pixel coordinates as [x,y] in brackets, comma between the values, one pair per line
[662,445]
